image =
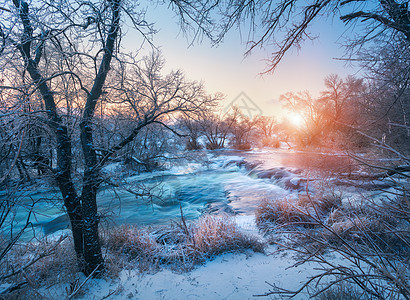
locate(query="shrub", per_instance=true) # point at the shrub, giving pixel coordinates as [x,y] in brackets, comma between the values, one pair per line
[288,211]
[244,146]
[192,145]
[213,235]
[374,241]
[213,146]
[381,224]
[37,264]
[270,142]
[181,246]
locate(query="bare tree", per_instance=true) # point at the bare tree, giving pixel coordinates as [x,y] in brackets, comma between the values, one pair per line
[389,71]
[192,128]
[241,129]
[284,25]
[266,125]
[339,95]
[216,128]
[267,130]
[61,52]
[312,112]
[50,24]
[146,96]
[342,108]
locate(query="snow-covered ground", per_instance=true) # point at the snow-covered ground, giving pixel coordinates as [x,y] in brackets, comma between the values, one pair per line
[229,179]
[229,276]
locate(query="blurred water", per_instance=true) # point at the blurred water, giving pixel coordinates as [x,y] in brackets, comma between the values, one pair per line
[224,183]
[220,187]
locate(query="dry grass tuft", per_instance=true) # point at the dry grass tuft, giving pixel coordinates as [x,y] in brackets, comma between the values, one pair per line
[273,213]
[180,246]
[302,211]
[344,291]
[132,241]
[373,239]
[213,235]
[38,264]
[129,247]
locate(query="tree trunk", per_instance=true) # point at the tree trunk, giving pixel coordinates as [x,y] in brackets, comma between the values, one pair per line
[63,172]
[65,182]
[91,181]
[82,211]
[92,248]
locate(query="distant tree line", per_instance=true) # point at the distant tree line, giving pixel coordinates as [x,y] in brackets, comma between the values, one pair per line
[346,113]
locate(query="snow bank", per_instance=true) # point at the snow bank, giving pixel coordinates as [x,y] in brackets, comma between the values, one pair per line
[230,276]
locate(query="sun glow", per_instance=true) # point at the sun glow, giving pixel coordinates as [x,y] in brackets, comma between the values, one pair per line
[296,120]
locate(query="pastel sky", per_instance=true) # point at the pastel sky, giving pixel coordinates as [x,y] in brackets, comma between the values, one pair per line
[224,68]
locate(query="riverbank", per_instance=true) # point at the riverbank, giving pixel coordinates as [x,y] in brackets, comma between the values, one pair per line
[241,274]
[225,256]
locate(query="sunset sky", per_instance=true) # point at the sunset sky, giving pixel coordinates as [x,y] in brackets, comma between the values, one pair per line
[224,68]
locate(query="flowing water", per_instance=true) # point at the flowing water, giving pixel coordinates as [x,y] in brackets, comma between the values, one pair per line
[228,182]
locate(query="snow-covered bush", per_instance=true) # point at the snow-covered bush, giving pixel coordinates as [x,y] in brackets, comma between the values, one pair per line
[371,238]
[213,235]
[36,264]
[181,246]
[271,213]
[294,211]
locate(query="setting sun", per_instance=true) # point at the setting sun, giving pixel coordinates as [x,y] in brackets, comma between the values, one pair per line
[296,119]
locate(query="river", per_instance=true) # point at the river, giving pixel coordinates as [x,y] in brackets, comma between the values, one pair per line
[225,181]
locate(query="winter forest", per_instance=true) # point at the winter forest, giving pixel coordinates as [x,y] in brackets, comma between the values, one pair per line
[123,178]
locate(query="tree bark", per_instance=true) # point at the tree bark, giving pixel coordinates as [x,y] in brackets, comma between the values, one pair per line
[63,172]
[91,180]
[92,248]
[82,211]
[64,161]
